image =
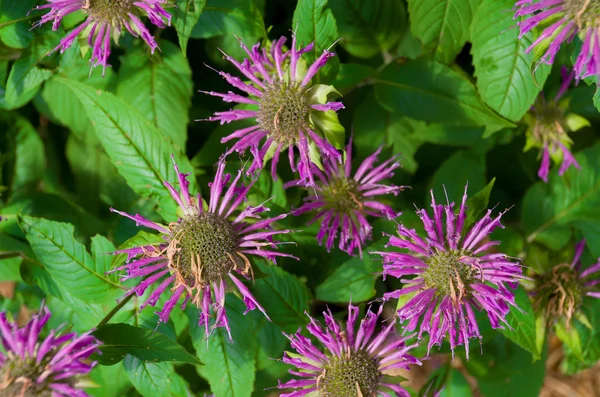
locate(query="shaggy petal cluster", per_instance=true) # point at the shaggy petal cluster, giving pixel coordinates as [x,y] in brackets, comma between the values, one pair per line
[450,274]
[355,361]
[549,127]
[341,201]
[560,292]
[106,19]
[562,21]
[50,366]
[288,108]
[205,250]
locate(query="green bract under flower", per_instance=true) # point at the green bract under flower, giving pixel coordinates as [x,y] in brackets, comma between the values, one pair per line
[353,375]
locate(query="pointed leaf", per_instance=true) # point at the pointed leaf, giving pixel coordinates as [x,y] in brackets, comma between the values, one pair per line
[185,17]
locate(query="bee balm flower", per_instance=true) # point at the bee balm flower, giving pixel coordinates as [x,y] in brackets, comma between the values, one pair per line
[355,362]
[106,19]
[36,366]
[290,111]
[204,250]
[453,275]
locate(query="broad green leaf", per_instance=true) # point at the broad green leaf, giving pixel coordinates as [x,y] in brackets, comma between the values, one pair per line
[353,281]
[506,370]
[26,76]
[351,75]
[456,385]
[523,324]
[15,29]
[502,67]
[477,204]
[284,297]
[10,267]
[368,27]
[66,259]
[442,25]
[112,381]
[185,17]
[102,248]
[119,340]
[314,23]
[229,17]
[230,366]
[160,88]
[552,210]
[155,379]
[454,173]
[139,151]
[415,88]
[374,126]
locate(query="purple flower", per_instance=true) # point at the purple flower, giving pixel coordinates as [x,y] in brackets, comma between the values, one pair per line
[289,110]
[105,19]
[36,366]
[204,249]
[356,362]
[560,291]
[448,277]
[549,124]
[342,201]
[564,19]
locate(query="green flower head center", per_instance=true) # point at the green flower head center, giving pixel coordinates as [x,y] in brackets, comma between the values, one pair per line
[19,377]
[345,376]
[342,195]
[559,291]
[582,12]
[112,12]
[449,275]
[203,248]
[283,111]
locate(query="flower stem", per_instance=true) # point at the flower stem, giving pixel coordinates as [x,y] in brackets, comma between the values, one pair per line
[115,309]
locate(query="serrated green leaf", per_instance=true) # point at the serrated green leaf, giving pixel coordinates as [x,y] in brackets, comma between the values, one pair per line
[66,260]
[442,25]
[139,151]
[368,27]
[502,66]
[155,379]
[552,210]
[414,88]
[284,297]
[119,340]
[523,324]
[314,23]
[230,366]
[353,280]
[185,17]
[160,88]
[102,248]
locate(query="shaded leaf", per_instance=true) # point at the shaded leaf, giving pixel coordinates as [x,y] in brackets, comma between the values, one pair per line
[154,379]
[185,17]
[353,280]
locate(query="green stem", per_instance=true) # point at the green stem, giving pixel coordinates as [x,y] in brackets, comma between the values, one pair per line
[115,309]
[12,22]
[11,254]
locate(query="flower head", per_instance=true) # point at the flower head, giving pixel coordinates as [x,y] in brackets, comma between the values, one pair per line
[560,291]
[205,248]
[342,201]
[549,124]
[453,274]
[106,19]
[355,362]
[36,366]
[563,20]
[289,110]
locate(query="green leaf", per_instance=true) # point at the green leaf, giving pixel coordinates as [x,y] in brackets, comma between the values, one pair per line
[456,385]
[185,17]
[160,88]
[477,204]
[66,260]
[452,176]
[552,210]
[502,67]
[15,31]
[155,379]
[368,27]
[351,75]
[118,340]
[353,281]
[284,297]
[112,379]
[139,151]
[230,366]
[588,337]
[228,17]
[523,324]
[415,88]
[570,337]
[102,248]
[442,25]
[314,23]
